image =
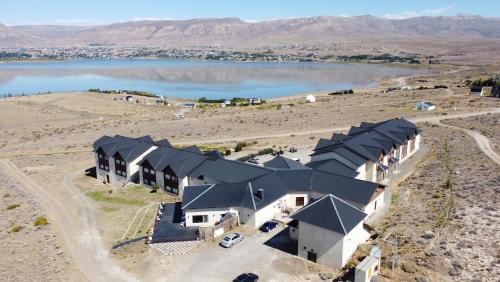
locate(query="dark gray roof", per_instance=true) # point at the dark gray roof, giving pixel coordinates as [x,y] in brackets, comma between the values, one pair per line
[349,189]
[275,185]
[219,196]
[331,213]
[193,149]
[369,140]
[128,148]
[333,166]
[285,163]
[182,162]
[163,143]
[350,156]
[229,171]
[215,154]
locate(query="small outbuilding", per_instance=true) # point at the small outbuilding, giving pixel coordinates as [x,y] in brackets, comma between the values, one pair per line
[329,231]
[486,91]
[310,99]
[425,106]
[367,269]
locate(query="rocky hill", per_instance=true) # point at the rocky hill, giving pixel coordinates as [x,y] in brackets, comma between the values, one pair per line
[232,32]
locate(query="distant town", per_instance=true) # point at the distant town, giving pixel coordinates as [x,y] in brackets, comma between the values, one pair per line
[285,53]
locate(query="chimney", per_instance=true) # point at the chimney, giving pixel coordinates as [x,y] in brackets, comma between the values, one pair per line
[260,194]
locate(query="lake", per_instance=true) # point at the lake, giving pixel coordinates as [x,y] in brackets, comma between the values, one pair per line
[190,79]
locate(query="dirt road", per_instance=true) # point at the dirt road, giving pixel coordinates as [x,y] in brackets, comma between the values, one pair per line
[433,118]
[80,232]
[482,141]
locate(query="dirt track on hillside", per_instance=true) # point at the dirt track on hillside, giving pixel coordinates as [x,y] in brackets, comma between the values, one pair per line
[80,235]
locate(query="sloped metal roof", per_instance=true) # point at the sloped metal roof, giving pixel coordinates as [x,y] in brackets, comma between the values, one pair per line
[331,213]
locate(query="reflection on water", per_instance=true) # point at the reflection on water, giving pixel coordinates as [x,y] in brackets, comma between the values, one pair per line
[191,79]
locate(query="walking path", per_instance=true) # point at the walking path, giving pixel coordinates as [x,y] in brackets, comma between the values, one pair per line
[482,141]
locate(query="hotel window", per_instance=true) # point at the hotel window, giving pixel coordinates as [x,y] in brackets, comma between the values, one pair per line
[200,218]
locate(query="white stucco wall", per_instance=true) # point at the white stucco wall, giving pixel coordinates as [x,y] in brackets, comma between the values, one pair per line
[291,200]
[325,243]
[213,216]
[361,172]
[269,212]
[333,249]
[370,208]
[352,240]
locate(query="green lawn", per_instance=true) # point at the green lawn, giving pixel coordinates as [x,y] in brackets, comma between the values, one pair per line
[101,196]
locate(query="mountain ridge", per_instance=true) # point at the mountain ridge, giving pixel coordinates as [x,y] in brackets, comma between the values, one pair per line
[234,32]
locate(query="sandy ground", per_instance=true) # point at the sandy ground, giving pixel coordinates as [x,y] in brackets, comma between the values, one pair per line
[463,218]
[487,125]
[35,253]
[48,138]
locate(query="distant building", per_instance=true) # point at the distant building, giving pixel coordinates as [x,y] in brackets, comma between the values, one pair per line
[310,99]
[495,91]
[190,105]
[476,90]
[486,91]
[255,101]
[425,106]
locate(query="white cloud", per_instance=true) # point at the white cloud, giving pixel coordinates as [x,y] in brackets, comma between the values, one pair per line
[413,14]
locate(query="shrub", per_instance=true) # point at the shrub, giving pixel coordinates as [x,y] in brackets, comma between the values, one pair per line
[265,151]
[155,188]
[227,152]
[409,267]
[40,221]
[16,229]
[239,146]
[13,206]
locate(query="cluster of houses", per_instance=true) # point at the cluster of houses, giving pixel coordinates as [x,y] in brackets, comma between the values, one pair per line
[328,199]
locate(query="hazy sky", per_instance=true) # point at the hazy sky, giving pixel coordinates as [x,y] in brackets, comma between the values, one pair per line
[85,12]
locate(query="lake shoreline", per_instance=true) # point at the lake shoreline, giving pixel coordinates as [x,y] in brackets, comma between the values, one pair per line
[196,79]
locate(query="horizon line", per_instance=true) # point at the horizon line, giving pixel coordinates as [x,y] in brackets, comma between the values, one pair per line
[91,23]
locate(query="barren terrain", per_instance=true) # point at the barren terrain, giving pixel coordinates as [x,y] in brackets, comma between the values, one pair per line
[46,146]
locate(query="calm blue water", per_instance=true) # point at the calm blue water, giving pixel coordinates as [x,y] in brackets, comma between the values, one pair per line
[190,79]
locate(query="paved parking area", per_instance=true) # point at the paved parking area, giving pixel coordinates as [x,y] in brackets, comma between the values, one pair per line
[264,254]
[302,155]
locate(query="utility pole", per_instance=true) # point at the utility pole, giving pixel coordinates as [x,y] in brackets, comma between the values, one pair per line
[394,251]
[394,244]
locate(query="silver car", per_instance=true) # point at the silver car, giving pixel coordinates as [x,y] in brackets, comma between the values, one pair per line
[231,240]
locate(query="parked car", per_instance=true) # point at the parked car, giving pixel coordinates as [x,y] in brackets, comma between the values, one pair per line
[268,226]
[246,277]
[231,240]
[253,161]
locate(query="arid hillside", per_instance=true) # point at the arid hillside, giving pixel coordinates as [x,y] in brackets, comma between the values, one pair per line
[236,33]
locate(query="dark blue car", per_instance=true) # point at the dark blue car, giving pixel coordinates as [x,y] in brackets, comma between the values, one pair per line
[268,226]
[247,277]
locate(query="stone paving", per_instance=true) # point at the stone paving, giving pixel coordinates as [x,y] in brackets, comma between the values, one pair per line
[175,248]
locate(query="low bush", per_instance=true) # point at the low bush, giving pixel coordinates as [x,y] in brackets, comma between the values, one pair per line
[240,146]
[13,206]
[16,229]
[265,151]
[40,221]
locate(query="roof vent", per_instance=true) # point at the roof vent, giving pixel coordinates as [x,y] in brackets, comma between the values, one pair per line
[260,194]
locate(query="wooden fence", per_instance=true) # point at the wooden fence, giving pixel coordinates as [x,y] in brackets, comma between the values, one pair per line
[210,232]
